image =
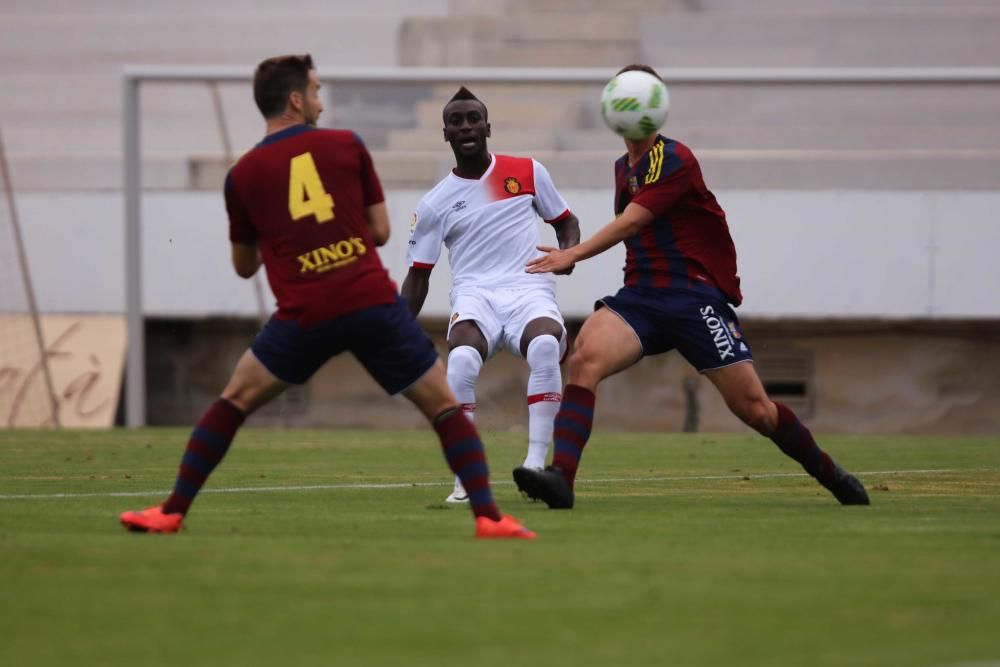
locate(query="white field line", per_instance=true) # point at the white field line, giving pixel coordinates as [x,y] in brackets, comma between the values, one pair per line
[409,485]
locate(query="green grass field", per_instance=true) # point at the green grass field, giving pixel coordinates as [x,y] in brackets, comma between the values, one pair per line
[682,550]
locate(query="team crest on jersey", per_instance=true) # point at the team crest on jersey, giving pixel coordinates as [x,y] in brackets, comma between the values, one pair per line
[633,184]
[512,185]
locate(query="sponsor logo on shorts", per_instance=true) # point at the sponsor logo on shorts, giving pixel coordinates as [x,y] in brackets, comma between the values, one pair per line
[719,331]
[413,222]
[332,256]
[512,185]
[454,316]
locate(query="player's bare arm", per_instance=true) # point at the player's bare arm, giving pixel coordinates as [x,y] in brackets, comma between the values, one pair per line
[632,220]
[568,234]
[246,259]
[378,221]
[415,287]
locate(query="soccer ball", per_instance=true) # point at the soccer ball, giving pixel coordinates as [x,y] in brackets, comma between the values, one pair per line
[634,104]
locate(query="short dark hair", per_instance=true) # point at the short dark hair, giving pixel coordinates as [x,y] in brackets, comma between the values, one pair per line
[464,93]
[276,78]
[635,67]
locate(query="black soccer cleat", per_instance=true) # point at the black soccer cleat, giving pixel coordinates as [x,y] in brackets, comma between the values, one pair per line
[847,488]
[547,485]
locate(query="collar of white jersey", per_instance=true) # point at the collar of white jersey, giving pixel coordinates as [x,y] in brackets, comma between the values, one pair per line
[489,170]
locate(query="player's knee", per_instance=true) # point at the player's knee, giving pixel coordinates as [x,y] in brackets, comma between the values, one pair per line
[464,364]
[543,358]
[576,359]
[756,414]
[243,400]
[587,352]
[543,352]
[584,364]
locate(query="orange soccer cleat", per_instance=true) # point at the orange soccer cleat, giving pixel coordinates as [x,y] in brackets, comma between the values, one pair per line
[507,527]
[151,520]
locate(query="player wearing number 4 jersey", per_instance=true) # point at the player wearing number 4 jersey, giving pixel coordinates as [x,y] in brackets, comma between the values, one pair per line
[486,212]
[680,277]
[308,204]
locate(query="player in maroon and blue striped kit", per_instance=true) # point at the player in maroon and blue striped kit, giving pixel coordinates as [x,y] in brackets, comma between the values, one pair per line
[308,204]
[680,279]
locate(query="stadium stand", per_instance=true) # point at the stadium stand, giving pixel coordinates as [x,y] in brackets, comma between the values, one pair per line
[801,137]
[60,69]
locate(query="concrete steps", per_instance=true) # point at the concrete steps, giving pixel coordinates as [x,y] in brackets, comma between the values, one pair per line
[61,108]
[885,38]
[573,40]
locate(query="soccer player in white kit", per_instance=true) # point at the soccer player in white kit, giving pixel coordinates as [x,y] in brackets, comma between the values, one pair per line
[485,211]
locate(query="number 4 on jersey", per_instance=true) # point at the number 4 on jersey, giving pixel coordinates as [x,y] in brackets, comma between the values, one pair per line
[306,195]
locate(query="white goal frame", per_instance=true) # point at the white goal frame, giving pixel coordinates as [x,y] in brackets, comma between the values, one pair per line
[134,77]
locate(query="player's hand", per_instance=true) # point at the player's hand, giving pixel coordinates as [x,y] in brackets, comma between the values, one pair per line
[560,262]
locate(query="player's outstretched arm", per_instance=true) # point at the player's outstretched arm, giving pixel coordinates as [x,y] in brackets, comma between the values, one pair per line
[378,222]
[632,220]
[246,259]
[568,234]
[415,287]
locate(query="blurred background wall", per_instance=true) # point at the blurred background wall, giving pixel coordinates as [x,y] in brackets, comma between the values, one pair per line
[865,215]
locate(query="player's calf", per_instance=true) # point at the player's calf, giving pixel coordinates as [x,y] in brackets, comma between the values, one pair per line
[796,441]
[572,427]
[467,459]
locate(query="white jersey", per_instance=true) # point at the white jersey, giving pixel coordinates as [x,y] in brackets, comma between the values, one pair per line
[488,224]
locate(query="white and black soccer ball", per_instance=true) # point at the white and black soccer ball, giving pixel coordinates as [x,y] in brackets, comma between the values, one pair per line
[634,104]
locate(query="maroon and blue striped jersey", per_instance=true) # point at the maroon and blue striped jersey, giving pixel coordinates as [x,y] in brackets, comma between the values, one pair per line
[301,196]
[687,245]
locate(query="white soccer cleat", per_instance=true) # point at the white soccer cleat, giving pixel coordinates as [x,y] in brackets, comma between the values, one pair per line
[458,495]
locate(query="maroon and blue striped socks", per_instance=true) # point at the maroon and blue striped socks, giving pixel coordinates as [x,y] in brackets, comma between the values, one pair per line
[795,440]
[572,429]
[208,444]
[467,459]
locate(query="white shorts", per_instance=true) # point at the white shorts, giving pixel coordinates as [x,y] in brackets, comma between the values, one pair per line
[503,313]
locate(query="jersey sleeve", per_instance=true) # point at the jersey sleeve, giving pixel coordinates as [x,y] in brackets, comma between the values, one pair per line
[371,187]
[241,230]
[548,202]
[426,237]
[667,180]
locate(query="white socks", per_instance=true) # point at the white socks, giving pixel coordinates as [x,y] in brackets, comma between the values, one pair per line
[464,364]
[544,391]
[544,387]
